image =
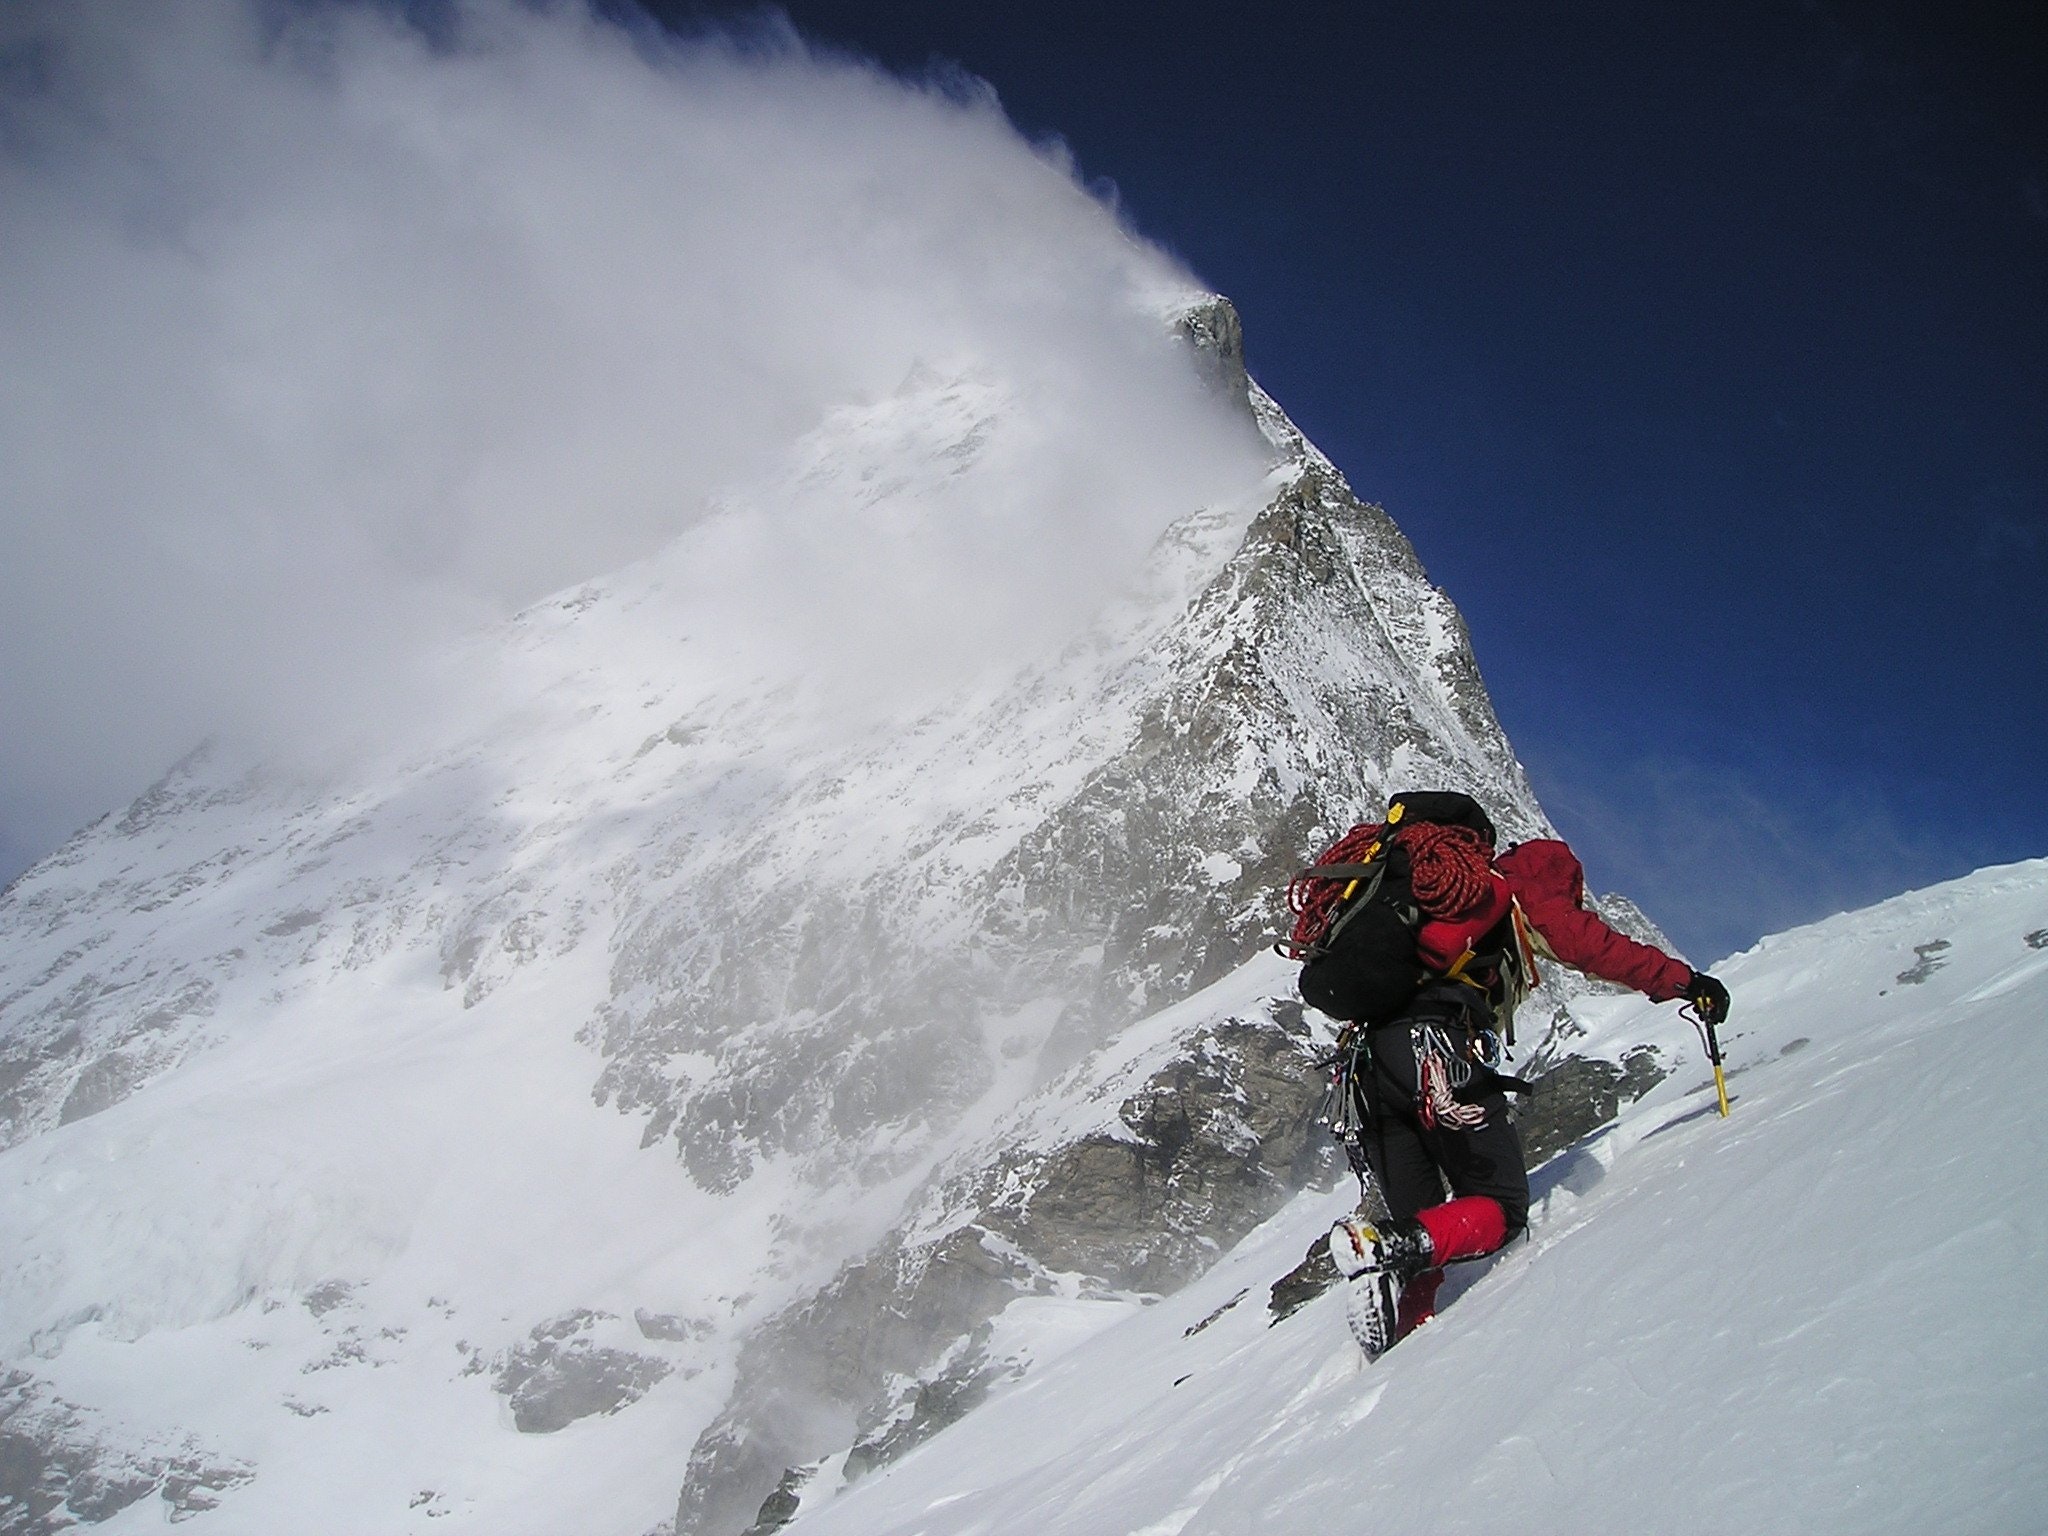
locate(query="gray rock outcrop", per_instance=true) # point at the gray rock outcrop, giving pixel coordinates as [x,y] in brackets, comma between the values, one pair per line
[63,1466]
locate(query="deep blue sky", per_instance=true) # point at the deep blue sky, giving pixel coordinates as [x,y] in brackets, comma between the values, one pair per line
[1699,349]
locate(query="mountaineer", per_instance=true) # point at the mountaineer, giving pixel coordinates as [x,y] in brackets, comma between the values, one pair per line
[1422,942]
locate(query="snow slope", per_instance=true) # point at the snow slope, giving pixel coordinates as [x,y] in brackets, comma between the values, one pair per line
[1822,1314]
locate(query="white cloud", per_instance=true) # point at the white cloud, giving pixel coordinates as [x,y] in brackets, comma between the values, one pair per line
[321,341]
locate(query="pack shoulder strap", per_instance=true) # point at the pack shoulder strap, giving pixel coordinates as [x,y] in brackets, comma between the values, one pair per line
[1372,871]
[1372,874]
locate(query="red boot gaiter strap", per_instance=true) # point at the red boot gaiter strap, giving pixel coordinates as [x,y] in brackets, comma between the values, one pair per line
[1465,1228]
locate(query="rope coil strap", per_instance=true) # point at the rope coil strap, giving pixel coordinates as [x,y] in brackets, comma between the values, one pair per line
[1314,895]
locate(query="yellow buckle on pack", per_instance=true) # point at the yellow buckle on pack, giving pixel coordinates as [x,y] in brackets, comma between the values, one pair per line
[1457,971]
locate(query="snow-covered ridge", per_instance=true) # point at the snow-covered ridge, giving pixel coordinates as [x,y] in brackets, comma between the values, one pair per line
[1818,1315]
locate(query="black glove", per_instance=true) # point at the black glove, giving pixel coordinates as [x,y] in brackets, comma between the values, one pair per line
[1708,997]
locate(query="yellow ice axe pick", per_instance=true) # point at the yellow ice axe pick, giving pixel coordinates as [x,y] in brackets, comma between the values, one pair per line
[1713,1044]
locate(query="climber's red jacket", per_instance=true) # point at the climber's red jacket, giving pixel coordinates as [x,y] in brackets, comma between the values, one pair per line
[1549,882]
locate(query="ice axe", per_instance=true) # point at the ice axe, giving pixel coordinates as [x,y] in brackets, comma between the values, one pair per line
[1712,1042]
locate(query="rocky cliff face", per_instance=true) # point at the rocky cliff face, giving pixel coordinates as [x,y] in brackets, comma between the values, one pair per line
[1163,779]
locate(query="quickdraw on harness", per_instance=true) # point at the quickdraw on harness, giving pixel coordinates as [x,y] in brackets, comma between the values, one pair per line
[1441,1069]
[1343,1108]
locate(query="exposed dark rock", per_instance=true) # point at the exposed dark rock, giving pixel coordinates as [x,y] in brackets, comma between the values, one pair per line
[60,1466]
[669,1328]
[126,1025]
[807,1373]
[1208,1320]
[101,1085]
[1211,1144]
[193,1487]
[1927,960]
[35,1065]
[559,1375]
[1581,1094]
[1209,1147]
[780,1507]
[1218,338]
[929,1404]
[1315,1274]
[328,1295]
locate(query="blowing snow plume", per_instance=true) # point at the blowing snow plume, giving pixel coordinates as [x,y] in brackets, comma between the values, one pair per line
[325,340]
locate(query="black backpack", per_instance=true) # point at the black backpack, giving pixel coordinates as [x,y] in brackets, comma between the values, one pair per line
[1356,936]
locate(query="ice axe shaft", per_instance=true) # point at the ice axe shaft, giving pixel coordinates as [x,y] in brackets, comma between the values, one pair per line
[1712,1042]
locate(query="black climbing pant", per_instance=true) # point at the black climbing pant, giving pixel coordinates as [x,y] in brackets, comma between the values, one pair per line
[1415,1162]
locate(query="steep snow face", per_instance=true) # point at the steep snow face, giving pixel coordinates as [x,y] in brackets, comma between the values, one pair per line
[1820,1314]
[307,1210]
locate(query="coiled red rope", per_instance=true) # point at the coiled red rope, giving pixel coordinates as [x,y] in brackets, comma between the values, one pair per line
[1313,899]
[1447,868]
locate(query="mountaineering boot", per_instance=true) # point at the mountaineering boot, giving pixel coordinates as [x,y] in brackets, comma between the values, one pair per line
[1400,1248]
[1378,1260]
[1372,1311]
